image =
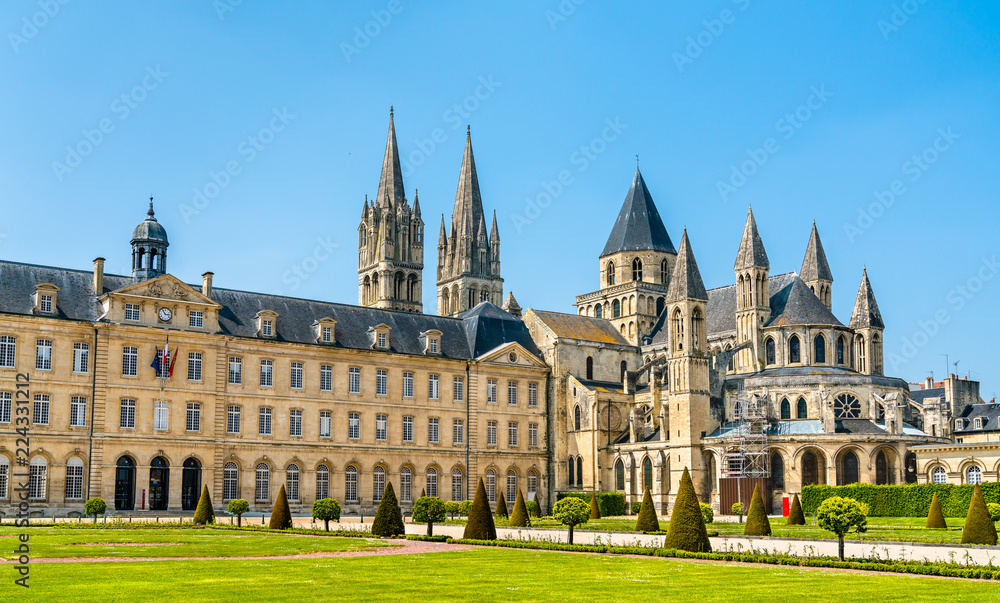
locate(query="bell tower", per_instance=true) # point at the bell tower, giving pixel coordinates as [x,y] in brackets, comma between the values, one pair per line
[753,297]
[149,248]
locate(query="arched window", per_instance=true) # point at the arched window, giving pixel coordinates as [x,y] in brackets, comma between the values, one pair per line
[732,360]
[883,475]
[819,351]
[322,482]
[616,309]
[432,481]
[810,468]
[292,482]
[590,365]
[351,484]
[620,472]
[405,484]
[599,311]
[678,322]
[647,474]
[786,410]
[939,476]
[457,483]
[624,369]
[777,472]
[801,410]
[378,483]
[74,479]
[491,486]
[262,486]
[840,350]
[794,351]
[636,269]
[697,327]
[660,302]
[611,273]
[579,471]
[511,485]
[769,351]
[532,483]
[230,481]
[859,353]
[851,469]
[973,475]
[664,272]
[876,354]
[571,465]
[577,417]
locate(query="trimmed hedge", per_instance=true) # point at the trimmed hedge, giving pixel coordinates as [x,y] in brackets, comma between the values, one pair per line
[480,524]
[795,516]
[687,526]
[501,505]
[757,523]
[281,515]
[979,527]
[204,514]
[610,503]
[388,520]
[911,500]
[647,520]
[519,516]
[935,520]
[595,511]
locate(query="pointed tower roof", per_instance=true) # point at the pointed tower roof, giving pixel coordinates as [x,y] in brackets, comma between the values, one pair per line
[416,204]
[442,236]
[685,282]
[481,230]
[751,251]
[494,231]
[866,314]
[390,184]
[638,227]
[814,265]
[468,212]
[511,305]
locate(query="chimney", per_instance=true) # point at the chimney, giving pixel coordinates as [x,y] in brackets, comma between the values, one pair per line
[206,284]
[929,383]
[98,276]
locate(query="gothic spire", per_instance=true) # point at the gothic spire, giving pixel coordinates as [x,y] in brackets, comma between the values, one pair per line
[494,231]
[866,314]
[442,236]
[468,212]
[814,264]
[751,253]
[685,282]
[390,184]
[638,227]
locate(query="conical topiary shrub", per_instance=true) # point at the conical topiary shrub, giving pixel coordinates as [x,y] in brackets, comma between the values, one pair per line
[687,526]
[595,511]
[204,514]
[501,506]
[388,518]
[281,515]
[795,515]
[519,516]
[480,524]
[757,522]
[979,527]
[935,518]
[647,521]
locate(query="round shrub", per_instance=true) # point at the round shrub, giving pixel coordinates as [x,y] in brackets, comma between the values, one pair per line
[466,507]
[429,510]
[994,511]
[636,506]
[452,507]
[95,506]
[238,507]
[706,512]
[533,509]
[838,515]
[326,509]
[737,508]
[571,512]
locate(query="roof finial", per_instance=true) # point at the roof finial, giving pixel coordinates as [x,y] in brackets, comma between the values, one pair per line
[390,110]
[636,161]
[468,129]
[149,212]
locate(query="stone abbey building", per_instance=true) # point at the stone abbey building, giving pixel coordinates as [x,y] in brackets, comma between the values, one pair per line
[142,388]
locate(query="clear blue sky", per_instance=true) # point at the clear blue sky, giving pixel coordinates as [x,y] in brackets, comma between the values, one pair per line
[180,89]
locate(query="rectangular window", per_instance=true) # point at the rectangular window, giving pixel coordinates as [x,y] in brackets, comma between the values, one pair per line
[8,350]
[512,392]
[354,380]
[326,378]
[433,345]
[458,432]
[459,389]
[456,484]
[381,382]
[194,366]
[266,328]
[407,385]
[491,433]
[45,304]
[266,373]
[40,415]
[407,429]
[296,376]
[432,430]
[37,478]
[512,434]
[77,411]
[127,419]
[432,387]
[132,312]
[193,422]
[43,355]
[325,423]
[81,357]
[233,419]
[532,394]
[161,413]
[196,319]
[327,334]
[295,422]
[130,361]
[380,427]
[235,370]
[491,391]
[6,399]
[74,482]
[533,435]
[264,421]
[381,340]
[353,426]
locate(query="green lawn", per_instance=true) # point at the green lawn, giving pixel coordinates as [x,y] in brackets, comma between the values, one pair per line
[480,574]
[167,542]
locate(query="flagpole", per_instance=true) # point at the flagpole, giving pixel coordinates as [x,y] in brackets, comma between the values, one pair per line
[164,369]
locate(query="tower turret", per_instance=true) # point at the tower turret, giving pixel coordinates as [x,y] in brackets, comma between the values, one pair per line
[816,270]
[149,247]
[753,297]
[866,320]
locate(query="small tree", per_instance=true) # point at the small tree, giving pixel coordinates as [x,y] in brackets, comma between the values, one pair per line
[328,510]
[571,511]
[466,507]
[994,510]
[480,524]
[388,518]
[452,507]
[979,528]
[429,510]
[687,527]
[281,515]
[935,518]
[706,512]
[238,507]
[838,515]
[795,515]
[519,516]
[647,521]
[533,509]
[595,511]
[204,514]
[757,522]
[501,505]
[737,509]
[95,506]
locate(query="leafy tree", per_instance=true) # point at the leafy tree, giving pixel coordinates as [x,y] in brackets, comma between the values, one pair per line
[328,510]
[706,512]
[238,507]
[979,528]
[795,515]
[838,515]
[95,506]
[281,515]
[571,512]
[204,514]
[595,511]
[501,505]
[452,507]
[519,516]
[647,521]
[466,507]
[480,524]
[737,509]
[935,518]
[757,522]
[429,510]
[388,518]
[533,509]
[994,510]
[687,526]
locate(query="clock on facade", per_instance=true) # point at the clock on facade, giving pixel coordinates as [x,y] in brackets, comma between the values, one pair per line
[165,314]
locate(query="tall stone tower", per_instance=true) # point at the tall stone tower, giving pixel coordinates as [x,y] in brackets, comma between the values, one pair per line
[391,241]
[753,297]
[816,270]
[866,320]
[149,248]
[468,270]
[635,267]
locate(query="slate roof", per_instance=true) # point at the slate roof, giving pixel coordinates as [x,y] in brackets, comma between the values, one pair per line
[866,312]
[390,182]
[989,414]
[751,251]
[814,264]
[685,282]
[638,227]
[919,395]
[150,229]
[585,328]
[796,304]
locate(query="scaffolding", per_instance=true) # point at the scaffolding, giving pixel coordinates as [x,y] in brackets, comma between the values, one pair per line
[746,449]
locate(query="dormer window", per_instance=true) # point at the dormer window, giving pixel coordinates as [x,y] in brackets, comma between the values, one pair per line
[382,340]
[267,327]
[958,424]
[267,322]
[432,346]
[977,423]
[379,335]
[323,330]
[45,298]
[327,335]
[431,340]
[45,303]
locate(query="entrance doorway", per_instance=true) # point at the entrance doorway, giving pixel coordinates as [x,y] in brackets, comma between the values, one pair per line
[159,484]
[190,484]
[125,484]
